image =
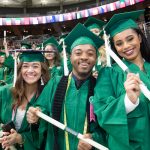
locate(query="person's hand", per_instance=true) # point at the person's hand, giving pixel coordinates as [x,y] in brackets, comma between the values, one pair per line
[4,43]
[6,48]
[132,87]
[2,136]
[31,115]
[10,139]
[85,146]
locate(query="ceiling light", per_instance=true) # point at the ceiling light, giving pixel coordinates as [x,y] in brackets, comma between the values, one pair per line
[44,1]
[5,1]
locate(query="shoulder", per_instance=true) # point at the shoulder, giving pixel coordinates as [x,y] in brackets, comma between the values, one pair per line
[52,84]
[6,88]
[5,93]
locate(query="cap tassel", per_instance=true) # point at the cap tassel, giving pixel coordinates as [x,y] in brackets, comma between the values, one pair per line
[5,43]
[15,69]
[107,46]
[66,71]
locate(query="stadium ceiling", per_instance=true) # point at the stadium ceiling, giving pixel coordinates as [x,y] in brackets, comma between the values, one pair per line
[38,3]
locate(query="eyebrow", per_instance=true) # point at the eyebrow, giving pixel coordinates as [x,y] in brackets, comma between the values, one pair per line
[25,63]
[125,38]
[87,49]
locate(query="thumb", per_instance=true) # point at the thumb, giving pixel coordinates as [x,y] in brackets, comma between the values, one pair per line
[13,131]
[87,135]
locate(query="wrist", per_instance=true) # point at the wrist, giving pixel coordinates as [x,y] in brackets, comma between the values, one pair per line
[20,139]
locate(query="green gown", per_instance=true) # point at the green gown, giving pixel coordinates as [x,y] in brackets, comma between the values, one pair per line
[55,71]
[7,71]
[75,104]
[6,116]
[125,131]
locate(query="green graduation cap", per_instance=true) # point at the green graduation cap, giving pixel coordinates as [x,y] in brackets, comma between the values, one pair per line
[63,36]
[31,56]
[92,23]
[51,41]
[80,35]
[2,54]
[25,45]
[122,21]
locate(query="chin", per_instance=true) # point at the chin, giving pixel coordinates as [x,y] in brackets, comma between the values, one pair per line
[31,82]
[84,74]
[132,58]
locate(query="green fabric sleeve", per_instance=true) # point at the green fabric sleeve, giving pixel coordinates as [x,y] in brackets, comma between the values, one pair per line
[9,62]
[108,102]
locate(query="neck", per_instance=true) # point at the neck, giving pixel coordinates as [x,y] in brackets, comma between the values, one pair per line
[30,90]
[81,76]
[1,65]
[51,63]
[139,62]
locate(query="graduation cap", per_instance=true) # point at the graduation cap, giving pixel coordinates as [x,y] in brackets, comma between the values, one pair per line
[80,35]
[51,41]
[2,54]
[92,23]
[31,56]
[25,45]
[122,21]
[63,36]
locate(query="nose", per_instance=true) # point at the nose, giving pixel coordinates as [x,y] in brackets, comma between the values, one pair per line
[84,56]
[30,69]
[126,45]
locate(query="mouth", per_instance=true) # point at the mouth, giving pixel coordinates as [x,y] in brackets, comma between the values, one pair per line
[84,65]
[30,76]
[129,52]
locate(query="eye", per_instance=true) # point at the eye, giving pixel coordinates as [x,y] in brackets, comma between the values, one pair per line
[77,52]
[130,39]
[36,66]
[118,43]
[91,53]
[24,66]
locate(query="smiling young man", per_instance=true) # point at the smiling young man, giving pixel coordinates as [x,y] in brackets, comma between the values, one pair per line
[66,99]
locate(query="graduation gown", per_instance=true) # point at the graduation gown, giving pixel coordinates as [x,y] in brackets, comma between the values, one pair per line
[125,131]
[6,116]
[75,104]
[7,71]
[55,71]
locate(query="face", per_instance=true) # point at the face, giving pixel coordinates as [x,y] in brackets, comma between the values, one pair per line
[127,44]
[2,58]
[33,46]
[31,72]
[96,31]
[83,58]
[51,54]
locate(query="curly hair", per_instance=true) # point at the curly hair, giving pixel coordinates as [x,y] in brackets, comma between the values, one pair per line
[18,92]
[144,46]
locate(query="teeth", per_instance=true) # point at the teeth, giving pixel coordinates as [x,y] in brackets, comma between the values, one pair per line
[30,76]
[129,52]
[84,64]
